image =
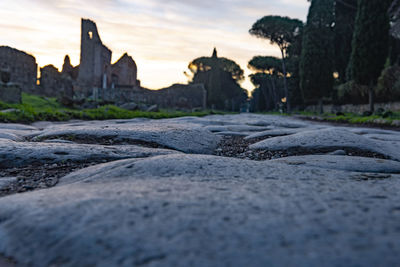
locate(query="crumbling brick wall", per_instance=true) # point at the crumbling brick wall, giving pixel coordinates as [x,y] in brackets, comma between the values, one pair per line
[54,83]
[178,96]
[21,66]
[124,72]
[95,60]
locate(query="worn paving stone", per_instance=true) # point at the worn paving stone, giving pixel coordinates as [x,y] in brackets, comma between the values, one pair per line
[236,128]
[6,181]
[247,119]
[160,207]
[346,163]
[10,136]
[18,154]
[16,126]
[187,138]
[196,210]
[15,132]
[329,138]
[277,132]
[384,137]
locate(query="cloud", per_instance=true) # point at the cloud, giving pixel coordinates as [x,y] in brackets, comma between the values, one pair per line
[163,36]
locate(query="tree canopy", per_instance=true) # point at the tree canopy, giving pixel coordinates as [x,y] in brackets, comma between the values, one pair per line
[370,41]
[281,31]
[316,64]
[267,79]
[266,64]
[203,64]
[221,77]
[345,14]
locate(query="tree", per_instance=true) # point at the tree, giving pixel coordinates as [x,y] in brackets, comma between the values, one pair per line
[266,79]
[203,64]
[370,43]
[316,63]
[345,13]
[394,15]
[280,31]
[221,77]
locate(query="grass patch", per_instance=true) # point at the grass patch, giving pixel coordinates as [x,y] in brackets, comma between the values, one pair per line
[393,120]
[36,108]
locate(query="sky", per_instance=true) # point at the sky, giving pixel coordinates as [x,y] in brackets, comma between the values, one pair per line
[162,36]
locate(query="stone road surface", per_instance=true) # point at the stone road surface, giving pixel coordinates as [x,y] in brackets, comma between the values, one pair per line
[157,194]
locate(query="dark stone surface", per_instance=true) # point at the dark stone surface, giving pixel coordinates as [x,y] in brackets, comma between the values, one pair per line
[182,209]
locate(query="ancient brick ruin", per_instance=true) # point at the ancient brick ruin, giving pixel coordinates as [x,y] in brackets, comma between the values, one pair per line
[21,67]
[9,92]
[95,77]
[176,96]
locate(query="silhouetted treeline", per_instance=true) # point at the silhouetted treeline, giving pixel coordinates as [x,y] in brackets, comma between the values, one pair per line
[347,52]
[221,77]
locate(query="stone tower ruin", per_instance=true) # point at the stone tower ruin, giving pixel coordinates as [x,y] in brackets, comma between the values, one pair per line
[95,59]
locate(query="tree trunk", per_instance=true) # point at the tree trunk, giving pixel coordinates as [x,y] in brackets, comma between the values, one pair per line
[371,99]
[288,108]
[321,106]
[275,94]
[265,90]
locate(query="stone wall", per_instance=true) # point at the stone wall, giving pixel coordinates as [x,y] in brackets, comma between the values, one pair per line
[124,72]
[95,60]
[10,93]
[393,106]
[178,96]
[21,66]
[54,83]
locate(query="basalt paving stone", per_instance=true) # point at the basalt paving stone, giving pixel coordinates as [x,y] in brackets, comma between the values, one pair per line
[16,126]
[196,210]
[329,139]
[248,119]
[346,163]
[175,209]
[19,154]
[277,132]
[10,136]
[236,128]
[187,138]
[384,137]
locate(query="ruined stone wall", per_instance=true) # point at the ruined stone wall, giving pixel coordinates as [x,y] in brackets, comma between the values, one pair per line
[124,72]
[21,66]
[95,60]
[70,70]
[10,93]
[181,96]
[178,96]
[53,83]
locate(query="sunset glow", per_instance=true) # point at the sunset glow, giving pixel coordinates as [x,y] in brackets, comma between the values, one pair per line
[162,36]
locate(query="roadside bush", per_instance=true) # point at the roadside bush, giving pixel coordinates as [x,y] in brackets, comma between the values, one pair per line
[352,93]
[388,88]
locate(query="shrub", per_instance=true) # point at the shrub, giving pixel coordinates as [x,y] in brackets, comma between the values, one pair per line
[388,88]
[352,93]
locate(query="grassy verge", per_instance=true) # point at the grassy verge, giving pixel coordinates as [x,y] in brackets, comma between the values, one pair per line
[388,119]
[391,119]
[35,108]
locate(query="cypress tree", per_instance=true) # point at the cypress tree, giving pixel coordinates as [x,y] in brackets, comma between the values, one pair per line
[345,14]
[316,63]
[370,43]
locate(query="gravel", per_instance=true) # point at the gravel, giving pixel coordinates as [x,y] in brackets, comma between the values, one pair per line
[38,176]
[238,147]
